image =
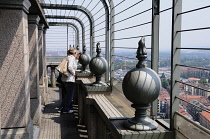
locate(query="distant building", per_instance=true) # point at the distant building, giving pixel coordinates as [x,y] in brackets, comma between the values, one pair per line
[183,111]
[194,111]
[207,67]
[189,98]
[200,92]
[204,119]
[164,104]
[194,80]
[196,91]
[187,69]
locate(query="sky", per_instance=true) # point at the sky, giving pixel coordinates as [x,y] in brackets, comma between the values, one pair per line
[193,20]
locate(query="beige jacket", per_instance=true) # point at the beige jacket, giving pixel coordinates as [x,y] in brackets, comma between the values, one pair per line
[72,66]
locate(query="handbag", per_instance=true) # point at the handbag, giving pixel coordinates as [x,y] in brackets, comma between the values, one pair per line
[59,78]
[63,67]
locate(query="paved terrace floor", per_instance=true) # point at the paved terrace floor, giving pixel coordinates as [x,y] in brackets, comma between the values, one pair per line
[60,126]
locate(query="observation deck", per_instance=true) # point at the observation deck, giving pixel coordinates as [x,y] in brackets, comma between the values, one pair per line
[36,34]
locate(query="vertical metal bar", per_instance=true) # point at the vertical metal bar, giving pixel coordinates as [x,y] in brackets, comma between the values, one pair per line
[92,39]
[92,44]
[107,56]
[175,59]
[77,38]
[112,20]
[155,48]
[67,37]
[107,79]
[73,41]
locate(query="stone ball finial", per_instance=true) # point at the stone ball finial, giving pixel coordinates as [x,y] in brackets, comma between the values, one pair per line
[98,50]
[98,66]
[84,49]
[84,59]
[141,53]
[141,86]
[77,47]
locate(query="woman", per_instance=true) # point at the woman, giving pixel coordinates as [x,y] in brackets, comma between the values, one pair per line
[69,82]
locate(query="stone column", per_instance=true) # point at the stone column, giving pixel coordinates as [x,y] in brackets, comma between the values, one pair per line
[45,61]
[41,54]
[33,21]
[53,82]
[41,64]
[14,70]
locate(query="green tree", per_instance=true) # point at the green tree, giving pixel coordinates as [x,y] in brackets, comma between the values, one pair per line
[202,80]
[169,81]
[164,83]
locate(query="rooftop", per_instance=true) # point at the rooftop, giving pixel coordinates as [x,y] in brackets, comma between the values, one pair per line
[206,115]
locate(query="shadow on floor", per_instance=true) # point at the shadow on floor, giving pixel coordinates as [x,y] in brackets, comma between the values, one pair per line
[69,128]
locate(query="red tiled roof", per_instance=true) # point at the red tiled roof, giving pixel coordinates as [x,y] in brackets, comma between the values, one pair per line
[196,79]
[205,114]
[183,112]
[190,97]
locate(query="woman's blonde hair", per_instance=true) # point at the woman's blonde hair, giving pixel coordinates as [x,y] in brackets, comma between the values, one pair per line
[71,51]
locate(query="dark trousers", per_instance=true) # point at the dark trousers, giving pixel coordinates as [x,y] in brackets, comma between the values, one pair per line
[67,95]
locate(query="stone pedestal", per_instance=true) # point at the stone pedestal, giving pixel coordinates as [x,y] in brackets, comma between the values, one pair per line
[33,21]
[14,70]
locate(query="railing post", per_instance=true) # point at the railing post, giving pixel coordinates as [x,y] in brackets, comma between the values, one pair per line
[92,42]
[107,33]
[155,48]
[175,59]
[92,116]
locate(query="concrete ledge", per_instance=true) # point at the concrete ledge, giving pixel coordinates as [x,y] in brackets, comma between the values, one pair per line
[84,74]
[18,133]
[14,133]
[36,132]
[36,113]
[43,94]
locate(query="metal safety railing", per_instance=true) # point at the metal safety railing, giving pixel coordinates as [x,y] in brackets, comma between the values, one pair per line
[132,21]
[119,25]
[182,14]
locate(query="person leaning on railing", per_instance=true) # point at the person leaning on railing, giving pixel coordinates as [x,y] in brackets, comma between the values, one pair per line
[69,82]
